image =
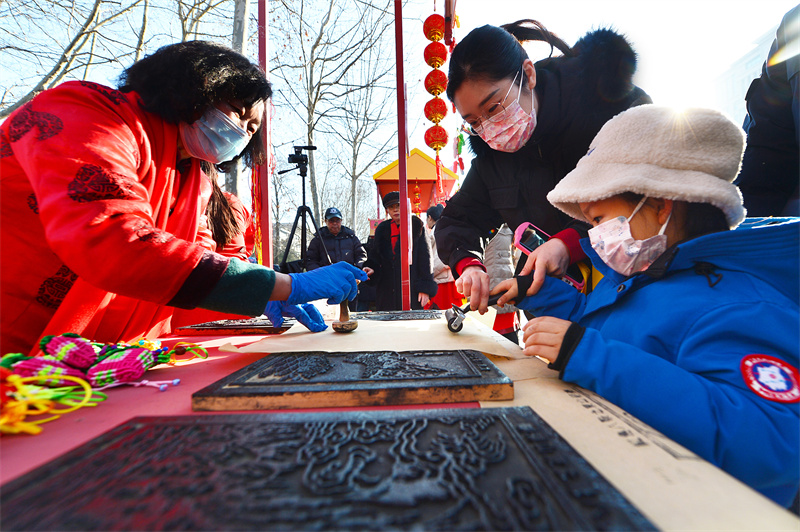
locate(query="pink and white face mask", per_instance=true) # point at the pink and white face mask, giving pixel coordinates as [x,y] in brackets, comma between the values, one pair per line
[510,129]
[613,242]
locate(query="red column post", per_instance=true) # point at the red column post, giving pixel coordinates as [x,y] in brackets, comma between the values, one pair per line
[405,232]
[264,169]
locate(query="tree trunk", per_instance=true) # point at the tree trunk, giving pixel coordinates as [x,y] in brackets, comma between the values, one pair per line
[353,182]
[312,179]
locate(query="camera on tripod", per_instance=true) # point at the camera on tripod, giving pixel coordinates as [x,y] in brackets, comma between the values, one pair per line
[298,157]
[301,160]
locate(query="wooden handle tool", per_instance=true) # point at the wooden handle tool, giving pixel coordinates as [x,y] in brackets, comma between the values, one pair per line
[345,324]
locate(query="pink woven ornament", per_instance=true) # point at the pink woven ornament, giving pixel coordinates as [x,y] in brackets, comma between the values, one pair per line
[49,369]
[124,365]
[70,349]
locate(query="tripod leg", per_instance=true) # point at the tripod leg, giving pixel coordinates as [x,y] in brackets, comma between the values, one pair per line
[313,221]
[289,242]
[316,232]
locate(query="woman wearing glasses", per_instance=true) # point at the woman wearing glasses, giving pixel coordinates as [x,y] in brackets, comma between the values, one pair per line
[528,125]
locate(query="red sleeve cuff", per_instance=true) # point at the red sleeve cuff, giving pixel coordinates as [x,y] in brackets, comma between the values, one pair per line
[571,238]
[469,261]
[505,323]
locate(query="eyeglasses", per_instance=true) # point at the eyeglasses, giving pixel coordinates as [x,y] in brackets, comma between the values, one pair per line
[475,128]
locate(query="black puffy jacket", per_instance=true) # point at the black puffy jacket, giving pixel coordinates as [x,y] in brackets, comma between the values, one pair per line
[342,247]
[576,96]
[771,162]
[386,264]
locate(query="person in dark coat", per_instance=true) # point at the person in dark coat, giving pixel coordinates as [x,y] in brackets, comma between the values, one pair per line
[383,263]
[335,243]
[529,124]
[366,291]
[770,171]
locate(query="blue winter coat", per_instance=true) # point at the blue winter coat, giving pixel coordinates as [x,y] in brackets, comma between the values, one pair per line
[672,346]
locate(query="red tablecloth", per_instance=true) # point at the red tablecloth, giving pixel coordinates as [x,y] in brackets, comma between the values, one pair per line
[20,453]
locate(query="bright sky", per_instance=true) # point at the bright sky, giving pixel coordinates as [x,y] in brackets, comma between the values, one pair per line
[683,45]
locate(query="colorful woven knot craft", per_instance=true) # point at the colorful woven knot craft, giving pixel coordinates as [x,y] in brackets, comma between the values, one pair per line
[69,355]
[124,364]
[50,371]
[22,399]
[70,349]
[34,386]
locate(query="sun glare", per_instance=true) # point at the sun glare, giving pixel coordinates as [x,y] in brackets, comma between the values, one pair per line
[791,49]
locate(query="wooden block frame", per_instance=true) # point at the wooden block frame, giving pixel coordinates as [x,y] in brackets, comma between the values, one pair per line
[320,379]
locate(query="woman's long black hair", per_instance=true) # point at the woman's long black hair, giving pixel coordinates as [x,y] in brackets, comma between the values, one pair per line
[494,53]
[180,82]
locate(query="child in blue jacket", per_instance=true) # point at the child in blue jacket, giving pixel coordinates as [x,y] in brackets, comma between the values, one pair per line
[694,328]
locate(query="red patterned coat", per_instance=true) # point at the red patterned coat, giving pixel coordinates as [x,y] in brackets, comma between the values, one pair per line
[98,230]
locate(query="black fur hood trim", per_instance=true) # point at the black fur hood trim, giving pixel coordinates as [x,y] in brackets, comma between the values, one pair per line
[609,59]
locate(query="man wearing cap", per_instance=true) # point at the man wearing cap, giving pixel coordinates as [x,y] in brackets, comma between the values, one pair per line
[383,263]
[335,243]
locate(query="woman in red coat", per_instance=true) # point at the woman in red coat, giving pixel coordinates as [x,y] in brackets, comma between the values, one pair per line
[104,196]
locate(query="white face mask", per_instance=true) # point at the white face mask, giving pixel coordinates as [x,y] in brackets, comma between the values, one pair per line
[214,137]
[613,242]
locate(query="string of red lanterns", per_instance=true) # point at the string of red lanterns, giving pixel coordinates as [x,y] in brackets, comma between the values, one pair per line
[435,83]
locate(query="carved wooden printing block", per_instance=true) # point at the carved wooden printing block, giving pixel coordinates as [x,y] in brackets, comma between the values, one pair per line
[260,325]
[397,315]
[316,379]
[451,469]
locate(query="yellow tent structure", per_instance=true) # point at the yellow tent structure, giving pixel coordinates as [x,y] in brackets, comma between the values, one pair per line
[421,178]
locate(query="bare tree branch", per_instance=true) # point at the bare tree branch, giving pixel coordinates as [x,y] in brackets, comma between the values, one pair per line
[324,48]
[58,69]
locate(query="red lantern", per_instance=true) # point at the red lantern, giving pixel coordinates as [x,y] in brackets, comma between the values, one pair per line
[436,138]
[436,82]
[435,110]
[435,54]
[433,28]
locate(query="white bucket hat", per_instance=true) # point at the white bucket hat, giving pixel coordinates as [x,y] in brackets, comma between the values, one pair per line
[691,155]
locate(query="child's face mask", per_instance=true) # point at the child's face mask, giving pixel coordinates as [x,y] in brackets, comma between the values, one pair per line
[613,242]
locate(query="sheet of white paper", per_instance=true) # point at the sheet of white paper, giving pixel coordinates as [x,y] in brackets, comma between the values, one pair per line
[400,335]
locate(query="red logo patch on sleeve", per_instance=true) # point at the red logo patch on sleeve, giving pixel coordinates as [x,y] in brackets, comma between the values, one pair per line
[771,378]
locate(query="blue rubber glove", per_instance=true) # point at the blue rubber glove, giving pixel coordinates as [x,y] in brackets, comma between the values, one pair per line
[307,314]
[336,282]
